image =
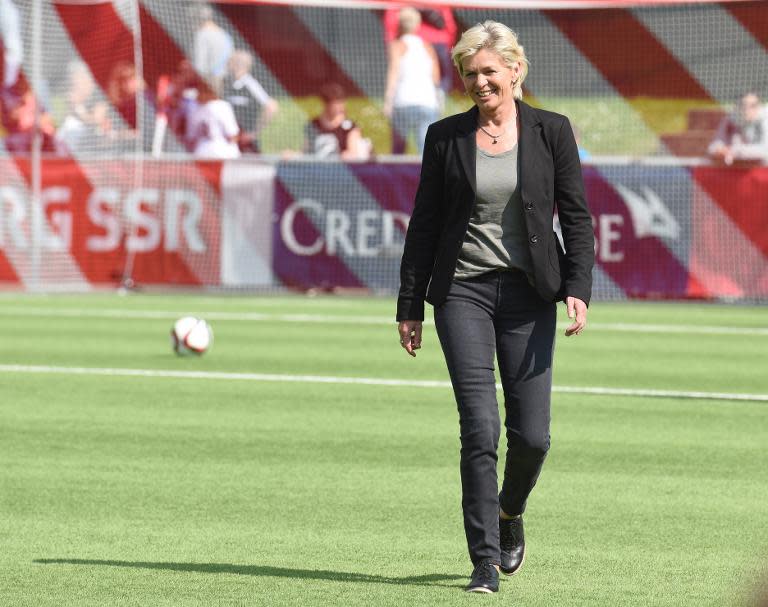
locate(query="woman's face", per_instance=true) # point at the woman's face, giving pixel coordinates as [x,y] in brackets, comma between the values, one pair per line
[335,108]
[488,79]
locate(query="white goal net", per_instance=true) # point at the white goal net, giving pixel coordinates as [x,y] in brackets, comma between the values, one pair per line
[179,143]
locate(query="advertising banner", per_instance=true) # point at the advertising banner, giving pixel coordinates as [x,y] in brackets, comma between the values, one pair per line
[342,225]
[661,232]
[161,223]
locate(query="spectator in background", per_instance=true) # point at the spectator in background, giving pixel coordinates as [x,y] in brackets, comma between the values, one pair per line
[19,112]
[743,135]
[212,48]
[86,123]
[10,40]
[19,120]
[123,88]
[176,98]
[132,112]
[11,55]
[413,74]
[212,127]
[253,107]
[438,27]
[332,134]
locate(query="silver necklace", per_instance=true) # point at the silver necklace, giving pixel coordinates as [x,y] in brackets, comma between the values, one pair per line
[495,138]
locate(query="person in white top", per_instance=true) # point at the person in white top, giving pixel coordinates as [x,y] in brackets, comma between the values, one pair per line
[411,100]
[212,47]
[13,46]
[86,124]
[212,128]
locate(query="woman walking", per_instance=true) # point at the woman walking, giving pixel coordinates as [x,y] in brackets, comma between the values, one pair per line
[481,249]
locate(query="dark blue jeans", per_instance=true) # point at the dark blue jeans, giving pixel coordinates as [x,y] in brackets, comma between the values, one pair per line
[498,313]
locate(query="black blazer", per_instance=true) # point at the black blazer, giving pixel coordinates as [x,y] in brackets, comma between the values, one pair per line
[550,177]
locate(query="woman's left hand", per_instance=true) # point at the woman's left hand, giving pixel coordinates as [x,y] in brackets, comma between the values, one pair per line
[577,312]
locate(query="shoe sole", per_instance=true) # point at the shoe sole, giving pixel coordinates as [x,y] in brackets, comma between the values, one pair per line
[485,590]
[511,573]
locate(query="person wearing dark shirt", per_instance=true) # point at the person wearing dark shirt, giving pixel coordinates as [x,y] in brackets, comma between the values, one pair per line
[332,134]
[253,107]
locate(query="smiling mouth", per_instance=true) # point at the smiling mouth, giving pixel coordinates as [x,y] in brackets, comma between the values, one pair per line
[483,94]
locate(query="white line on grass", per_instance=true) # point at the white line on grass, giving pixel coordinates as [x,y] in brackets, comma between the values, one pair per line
[366,381]
[347,320]
[700,329]
[208,315]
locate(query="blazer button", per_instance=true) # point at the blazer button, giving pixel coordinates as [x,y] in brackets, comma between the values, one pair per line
[529,206]
[534,238]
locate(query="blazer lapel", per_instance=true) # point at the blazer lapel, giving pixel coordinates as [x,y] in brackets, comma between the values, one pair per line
[530,127]
[466,146]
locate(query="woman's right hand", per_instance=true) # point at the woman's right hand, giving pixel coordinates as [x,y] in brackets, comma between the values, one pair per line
[410,335]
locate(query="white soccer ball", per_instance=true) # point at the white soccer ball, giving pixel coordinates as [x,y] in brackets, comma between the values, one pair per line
[191,335]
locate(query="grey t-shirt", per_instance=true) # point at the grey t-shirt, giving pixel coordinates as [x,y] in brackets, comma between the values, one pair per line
[496,238]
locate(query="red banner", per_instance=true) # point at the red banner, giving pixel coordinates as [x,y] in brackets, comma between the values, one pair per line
[96,215]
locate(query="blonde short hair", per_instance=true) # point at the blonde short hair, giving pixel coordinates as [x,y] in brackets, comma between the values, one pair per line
[408,20]
[495,37]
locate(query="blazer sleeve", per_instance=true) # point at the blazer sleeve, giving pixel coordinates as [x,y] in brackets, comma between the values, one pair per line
[575,218]
[423,234]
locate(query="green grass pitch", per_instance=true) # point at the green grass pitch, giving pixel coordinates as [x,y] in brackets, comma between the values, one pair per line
[133,490]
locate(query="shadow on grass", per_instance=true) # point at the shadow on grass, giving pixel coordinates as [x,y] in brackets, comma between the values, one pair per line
[431,579]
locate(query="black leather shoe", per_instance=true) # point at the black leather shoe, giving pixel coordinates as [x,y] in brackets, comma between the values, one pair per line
[485,578]
[512,543]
